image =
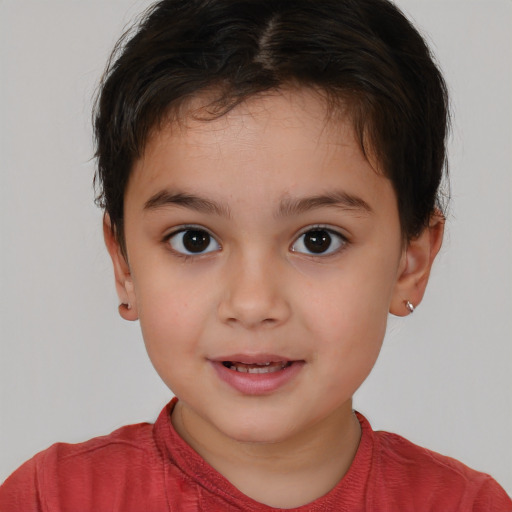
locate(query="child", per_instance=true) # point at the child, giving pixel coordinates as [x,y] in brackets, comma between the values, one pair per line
[269,172]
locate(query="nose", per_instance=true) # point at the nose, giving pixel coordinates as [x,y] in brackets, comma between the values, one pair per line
[254,294]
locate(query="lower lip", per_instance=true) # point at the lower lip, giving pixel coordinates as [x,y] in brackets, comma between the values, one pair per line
[257,383]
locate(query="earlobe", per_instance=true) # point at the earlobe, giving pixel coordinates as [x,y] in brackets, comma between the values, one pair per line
[415,267]
[123,277]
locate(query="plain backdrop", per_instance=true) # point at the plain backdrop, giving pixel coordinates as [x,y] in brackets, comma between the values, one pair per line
[71,369]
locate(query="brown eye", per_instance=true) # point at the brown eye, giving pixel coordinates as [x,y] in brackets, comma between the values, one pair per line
[319,241]
[193,241]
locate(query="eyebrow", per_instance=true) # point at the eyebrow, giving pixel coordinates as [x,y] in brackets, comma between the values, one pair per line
[288,206]
[200,204]
[337,199]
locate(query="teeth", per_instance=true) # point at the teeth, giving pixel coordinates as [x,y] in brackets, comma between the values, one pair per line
[256,367]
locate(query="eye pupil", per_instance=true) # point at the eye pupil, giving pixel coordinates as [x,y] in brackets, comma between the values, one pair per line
[195,240]
[317,241]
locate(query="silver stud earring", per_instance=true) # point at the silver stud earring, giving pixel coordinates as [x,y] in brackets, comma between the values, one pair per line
[409,306]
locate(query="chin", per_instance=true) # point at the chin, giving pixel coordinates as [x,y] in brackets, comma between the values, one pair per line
[258,430]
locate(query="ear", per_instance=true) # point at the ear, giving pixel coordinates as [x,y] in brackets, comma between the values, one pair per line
[417,260]
[123,277]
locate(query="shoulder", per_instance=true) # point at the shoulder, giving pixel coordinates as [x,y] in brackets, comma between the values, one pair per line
[433,481]
[61,476]
[118,450]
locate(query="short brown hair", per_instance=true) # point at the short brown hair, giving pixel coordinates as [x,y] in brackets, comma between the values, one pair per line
[363,52]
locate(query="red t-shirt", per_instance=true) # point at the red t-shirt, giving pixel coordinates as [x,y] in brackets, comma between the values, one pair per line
[149,468]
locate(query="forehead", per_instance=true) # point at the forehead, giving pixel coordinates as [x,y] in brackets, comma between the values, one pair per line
[282,112]
[278,143]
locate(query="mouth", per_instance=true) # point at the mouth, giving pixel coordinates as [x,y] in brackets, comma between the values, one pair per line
[257,374]
[265,367]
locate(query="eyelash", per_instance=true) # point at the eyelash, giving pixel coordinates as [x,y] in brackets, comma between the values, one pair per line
[340,242]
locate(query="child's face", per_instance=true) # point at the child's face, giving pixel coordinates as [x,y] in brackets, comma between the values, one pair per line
[264,236]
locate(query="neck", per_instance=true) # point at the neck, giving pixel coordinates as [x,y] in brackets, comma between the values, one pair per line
[310,463]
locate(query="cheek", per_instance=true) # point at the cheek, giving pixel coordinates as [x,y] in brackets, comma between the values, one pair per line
[350,301]
[351,342]
[171,328]
[172,314]
[347,317]
[351,333]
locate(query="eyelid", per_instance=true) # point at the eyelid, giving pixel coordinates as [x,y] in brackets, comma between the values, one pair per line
[185,227]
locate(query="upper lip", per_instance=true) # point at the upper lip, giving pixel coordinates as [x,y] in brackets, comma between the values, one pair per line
[253,358]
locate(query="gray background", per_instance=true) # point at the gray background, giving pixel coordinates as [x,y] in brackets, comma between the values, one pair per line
[71,369]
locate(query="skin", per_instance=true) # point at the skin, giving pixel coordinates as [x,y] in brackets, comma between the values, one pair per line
[257,290]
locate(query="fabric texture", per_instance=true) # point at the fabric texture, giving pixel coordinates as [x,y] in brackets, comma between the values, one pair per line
[149,468]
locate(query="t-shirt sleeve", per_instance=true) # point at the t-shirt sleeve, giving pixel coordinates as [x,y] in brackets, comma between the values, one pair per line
[491,497]
[20,492]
